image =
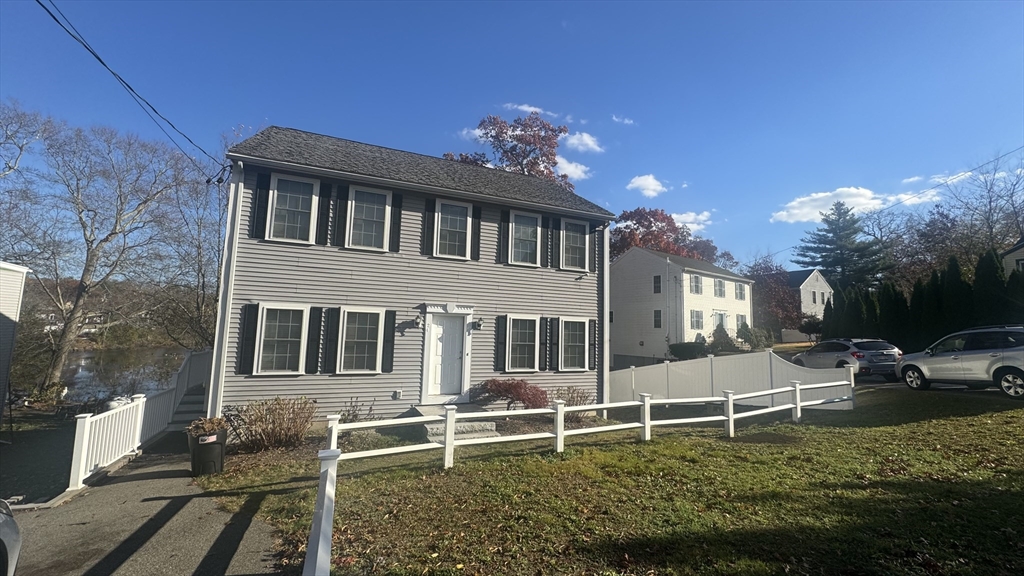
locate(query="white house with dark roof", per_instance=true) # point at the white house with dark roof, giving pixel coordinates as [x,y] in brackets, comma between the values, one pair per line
[1013,258]
[659,299]
[814,290]
[358,273]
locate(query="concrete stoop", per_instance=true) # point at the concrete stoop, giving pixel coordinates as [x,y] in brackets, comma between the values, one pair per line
[464,430]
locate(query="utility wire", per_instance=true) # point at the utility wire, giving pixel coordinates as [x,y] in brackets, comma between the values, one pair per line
[148,108]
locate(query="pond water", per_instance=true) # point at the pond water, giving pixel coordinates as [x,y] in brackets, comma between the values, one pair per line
[106,373]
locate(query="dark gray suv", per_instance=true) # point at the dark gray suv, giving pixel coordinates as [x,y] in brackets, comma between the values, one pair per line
[977,358]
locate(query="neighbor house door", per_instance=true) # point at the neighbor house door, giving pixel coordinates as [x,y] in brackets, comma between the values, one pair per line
[447,357]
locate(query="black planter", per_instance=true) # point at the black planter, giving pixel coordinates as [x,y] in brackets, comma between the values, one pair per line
[207,452]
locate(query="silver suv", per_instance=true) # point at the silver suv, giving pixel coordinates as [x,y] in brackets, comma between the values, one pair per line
[869,356]
[978,358]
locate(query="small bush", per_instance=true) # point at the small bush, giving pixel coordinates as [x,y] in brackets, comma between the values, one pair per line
[353,411]
[688,350]
[511,390]
[573,396]
[721,341]
[277,423]
[757,338]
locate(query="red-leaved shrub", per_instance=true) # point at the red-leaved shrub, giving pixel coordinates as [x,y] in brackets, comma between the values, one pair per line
[511,390]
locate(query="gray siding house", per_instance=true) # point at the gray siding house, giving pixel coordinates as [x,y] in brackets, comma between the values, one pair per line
[360,274]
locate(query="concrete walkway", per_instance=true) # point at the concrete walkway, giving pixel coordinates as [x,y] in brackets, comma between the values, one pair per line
[145,519]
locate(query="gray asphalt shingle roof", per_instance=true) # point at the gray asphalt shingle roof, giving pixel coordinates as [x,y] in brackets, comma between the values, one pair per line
[327,152]
[699,265]
[798,277]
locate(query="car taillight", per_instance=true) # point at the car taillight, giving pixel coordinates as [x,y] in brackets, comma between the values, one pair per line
[899,353]
[857,355]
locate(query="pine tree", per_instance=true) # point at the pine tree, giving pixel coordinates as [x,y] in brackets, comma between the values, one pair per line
[887,313]
[957,298]
[839,310]
[901,337]
[915,328]
[1015,293]
[853,315]
[837,248]
[933,326]
[992,299]
[828,318]
[871,320]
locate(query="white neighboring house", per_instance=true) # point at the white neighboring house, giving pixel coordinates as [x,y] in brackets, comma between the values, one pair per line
[12,285]
[1013,259]
[659,299]
[814,292]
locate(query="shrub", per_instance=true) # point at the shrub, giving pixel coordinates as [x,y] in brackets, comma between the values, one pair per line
[511,390]
[688,350]
[811,326]
[353,411]
[721,341]
[757,338]
[573,396]
[277,423]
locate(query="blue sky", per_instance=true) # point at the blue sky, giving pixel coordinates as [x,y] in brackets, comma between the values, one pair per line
[744,118]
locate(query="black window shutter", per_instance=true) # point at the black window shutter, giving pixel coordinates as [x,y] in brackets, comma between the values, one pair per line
[595,237]
[313,340]
[499,343]
[332,331]
[504,231]
[556,333]
[545,241]
[340,216]
[396,222]
[427,242]
[247,342]
[323,215]
[544,353]
[475,251]
[592,363]
[261,200]
[556,242]
[387,361]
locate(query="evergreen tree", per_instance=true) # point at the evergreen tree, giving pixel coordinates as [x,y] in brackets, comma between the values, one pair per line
[871,320]
[837,248]
[915,328]
[827,321]
[838,309]
[957,298]
[853,315]
[933,326]
[1015,293]
[992,299]
[887,313]
[901,337]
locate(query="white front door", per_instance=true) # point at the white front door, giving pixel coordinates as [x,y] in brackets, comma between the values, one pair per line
[447,357]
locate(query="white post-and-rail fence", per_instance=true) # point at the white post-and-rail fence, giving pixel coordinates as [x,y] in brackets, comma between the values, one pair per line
[318,552]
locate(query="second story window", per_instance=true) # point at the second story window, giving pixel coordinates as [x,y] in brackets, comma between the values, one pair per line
[657,284]
[525,236]
[574,244]
[453,225]
[369,212]
[741,291]
[695,285]
[814,297]
[294,203]
[719,288]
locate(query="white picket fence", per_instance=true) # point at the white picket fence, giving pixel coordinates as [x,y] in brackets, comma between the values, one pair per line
[318,552]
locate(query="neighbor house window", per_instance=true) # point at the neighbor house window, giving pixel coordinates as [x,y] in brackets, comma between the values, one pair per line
[696,319]
[741,291]
[573,344]
[525,235]
[293,202]
[719,288]
[741,319]
[719,318]
[695,286]
[368,221]
[454,220]
[657,318]
[522,344]
[814,297]
[657,284]
[281,339]
[361,338]
[822,297]
[575,236]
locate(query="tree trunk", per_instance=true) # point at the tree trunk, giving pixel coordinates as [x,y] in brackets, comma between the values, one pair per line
[73,323]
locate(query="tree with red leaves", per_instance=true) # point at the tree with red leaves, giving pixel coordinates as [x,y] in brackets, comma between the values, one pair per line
[774,304]
[526,146]
[655,229]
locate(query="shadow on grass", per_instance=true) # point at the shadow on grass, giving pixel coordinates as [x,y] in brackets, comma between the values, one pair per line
[37,462]
[878,407]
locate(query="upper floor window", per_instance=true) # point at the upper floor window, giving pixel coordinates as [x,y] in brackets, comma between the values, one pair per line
[522,344]
[369,218]
[695,285]
[696,319]
[814,297]
[454,221]
[822,297]
[575,236]
[657,284]
[281,340]
[361,339]
[741,291]
[525,239]
[719,288]
[657,318]
[573,344]
[294,203]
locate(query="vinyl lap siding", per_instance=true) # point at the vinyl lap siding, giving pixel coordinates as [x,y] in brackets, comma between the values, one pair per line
[330,276]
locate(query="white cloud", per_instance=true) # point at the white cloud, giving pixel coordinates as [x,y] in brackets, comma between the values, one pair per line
[693,220]
[622,120]
[647,184]
[568,118]
[947,179]
[471,134]
[529,109]
[912,179]
[808,208]
[583,142]
[574,170]
[584,121]
[684,185]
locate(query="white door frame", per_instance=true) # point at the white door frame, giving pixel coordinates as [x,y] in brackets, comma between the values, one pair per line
[449,309]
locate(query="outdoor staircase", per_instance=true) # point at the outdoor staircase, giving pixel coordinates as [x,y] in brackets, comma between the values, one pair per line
[192,406]
[463,430]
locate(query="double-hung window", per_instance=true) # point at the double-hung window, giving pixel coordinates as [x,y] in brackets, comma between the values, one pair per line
[454,221]
[719,288]
[362,334]
[657,284]
[657,318]
[293,205]
[695,285]
[814,297]
[575,239]
[696,319]
[573,344]
[282,344]
[522,352]
[741,319]
[741,291]
[823,298]
[719,319]
[369,218]
[524,247]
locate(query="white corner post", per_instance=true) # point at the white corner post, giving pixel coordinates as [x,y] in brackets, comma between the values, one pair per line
[332,431]
[559,406]
[79,458]
[668,393]
[139,401]
[449,436]
[632,380]
[711,370]
[730,413]
[645,417]
[797,409]
[850,373]
[318,552]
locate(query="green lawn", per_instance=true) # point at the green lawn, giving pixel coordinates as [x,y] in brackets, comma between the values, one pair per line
[908,483]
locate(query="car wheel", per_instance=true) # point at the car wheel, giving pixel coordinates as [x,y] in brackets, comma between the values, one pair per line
[914,379]
[1011,382]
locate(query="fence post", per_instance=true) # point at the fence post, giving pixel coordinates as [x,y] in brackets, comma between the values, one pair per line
[668,393]
[318,552]
[449,436]
[79,460]
[711,368]
[850,373]
[645,417]
[797,411]
[559,406]
[632,380]
[140,415]
[332,431]
[730,422]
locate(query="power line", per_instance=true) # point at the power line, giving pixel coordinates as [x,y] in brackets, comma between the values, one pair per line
[146,106]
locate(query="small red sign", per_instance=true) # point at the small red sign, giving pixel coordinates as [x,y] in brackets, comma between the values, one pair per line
[207,439]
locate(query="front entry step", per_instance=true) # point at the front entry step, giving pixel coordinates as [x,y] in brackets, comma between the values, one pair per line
[464,430]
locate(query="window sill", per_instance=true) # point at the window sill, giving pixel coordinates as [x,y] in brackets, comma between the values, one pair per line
[573,370]
[456,258]
[357,372]
[290,241]
[522,371]
[279,374]
[367,249]
[576,270]
[524,264]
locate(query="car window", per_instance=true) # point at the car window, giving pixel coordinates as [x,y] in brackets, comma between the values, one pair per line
[951,344]
[873,345]
[833,347]
[816,349]
[1013,339]
[985,341]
